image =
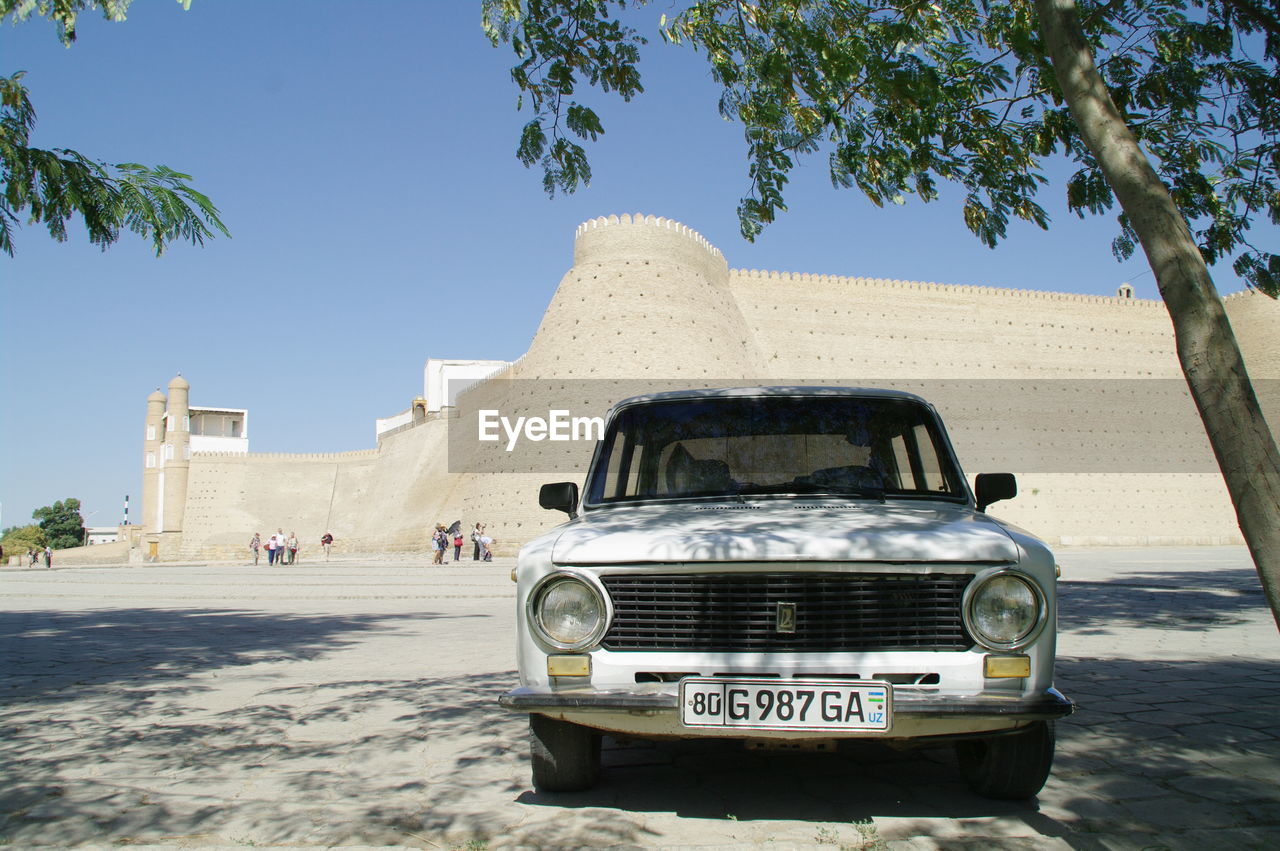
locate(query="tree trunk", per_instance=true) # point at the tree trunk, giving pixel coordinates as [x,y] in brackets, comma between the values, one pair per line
[1207,349]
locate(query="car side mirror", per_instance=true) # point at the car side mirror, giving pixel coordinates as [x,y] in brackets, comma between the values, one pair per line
[561,496]
[993,487]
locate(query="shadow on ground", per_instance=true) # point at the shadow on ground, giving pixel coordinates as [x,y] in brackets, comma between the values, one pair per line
[1176,600]
[230,741]
[58,655]
[1118,750]
[1159,747]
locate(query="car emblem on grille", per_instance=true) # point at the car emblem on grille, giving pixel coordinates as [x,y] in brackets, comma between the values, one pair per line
[785,620]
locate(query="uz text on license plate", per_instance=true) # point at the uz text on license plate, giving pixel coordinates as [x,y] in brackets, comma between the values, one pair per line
[772,704]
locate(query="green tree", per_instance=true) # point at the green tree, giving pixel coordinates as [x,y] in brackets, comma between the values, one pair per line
[1169,107]
[53,186]
[16,540]
[61,523]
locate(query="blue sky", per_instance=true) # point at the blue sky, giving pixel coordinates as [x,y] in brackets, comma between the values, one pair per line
[364,163]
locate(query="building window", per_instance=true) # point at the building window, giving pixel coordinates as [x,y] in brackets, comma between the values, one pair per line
[151,459]
[151,432]
[217,425]
[186,423]
[168,452]
[186,452]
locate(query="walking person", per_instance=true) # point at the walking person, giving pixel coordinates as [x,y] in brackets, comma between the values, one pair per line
[255,545]
[326,541]
[437,544]
[475,540]
[48,557]
[292,546]
[457,545]
[271,550]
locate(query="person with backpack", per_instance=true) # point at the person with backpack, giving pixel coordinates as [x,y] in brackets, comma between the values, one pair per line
[438,543]
[326,541]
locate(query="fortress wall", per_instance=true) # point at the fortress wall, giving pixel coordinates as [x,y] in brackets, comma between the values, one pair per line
[646,297]
[1133,509]
[855,329]
[371,501]
[231,496]
[115,552]
[407,491]
[650,299]
[507,503]
[810,326]
[1255,319]
[500,489]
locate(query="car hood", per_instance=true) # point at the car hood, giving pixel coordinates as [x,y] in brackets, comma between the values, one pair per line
[783,530]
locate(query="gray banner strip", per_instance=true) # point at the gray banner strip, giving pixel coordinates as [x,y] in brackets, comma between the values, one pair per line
[1110,426]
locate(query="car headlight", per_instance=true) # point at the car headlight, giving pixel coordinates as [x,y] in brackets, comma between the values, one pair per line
[1005,610]
[568,612]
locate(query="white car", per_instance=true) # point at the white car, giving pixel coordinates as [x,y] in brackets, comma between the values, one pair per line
[783,565]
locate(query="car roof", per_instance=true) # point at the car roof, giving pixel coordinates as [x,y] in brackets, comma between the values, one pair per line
[798,390]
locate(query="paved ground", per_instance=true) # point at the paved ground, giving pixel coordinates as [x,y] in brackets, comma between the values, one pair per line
[354,704]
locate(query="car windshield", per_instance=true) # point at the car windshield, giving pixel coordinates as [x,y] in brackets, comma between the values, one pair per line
[740,446]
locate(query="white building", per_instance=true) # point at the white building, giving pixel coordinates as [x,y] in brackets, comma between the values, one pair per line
[101,534]
[442,381]
[219,430]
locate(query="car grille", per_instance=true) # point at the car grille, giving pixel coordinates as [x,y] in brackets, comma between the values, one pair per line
[833,612]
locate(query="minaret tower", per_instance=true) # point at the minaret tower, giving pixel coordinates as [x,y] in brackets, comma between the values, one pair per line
[151,454]
[176,455]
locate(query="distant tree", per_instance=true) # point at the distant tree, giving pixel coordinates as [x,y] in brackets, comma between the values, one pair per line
[16,540]
[1170,107]
[56,185]
[61,523]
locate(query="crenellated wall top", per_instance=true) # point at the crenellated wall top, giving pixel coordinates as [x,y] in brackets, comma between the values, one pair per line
[257,457]
[621,245]
[1247,294]
[669,225]
[952,289]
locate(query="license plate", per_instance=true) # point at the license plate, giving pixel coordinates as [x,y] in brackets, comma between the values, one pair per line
[770,704]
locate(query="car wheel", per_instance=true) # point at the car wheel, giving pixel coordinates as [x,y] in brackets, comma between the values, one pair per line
[1009,767]
[566,757]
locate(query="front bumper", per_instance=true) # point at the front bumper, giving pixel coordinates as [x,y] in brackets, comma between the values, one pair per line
[917,712]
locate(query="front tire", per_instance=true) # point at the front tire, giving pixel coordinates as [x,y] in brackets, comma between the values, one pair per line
[1010,767]
[565,756]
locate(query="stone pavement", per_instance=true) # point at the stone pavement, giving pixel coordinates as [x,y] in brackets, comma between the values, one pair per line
[354,704]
